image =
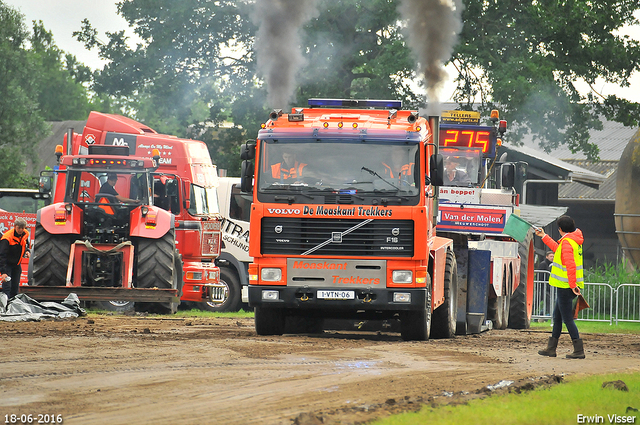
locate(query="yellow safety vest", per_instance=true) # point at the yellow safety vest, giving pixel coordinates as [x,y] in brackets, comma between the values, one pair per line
[559,276]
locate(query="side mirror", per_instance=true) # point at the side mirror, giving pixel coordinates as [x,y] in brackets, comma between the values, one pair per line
[246,177]
[248,151]
[187,195]
[507,174]
[436,165]
[44,185]
[172,188]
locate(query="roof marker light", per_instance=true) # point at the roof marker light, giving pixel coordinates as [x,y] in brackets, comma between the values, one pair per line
[354,125]
[502,126]
[325,125]
[340,124]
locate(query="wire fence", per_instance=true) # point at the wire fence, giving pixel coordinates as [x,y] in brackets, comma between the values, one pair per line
[606,304]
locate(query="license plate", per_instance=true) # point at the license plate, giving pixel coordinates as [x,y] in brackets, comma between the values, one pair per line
[336,295]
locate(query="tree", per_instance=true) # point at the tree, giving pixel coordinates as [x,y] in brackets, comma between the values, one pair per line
[526,57]
[61,93]
[21,123]
[521,57]
[355,49]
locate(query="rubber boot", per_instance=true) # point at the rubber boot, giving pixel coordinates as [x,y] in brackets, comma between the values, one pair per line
[578,349]
[551,348]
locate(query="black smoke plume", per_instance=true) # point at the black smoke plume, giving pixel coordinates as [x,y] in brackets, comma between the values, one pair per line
[432,32]
[277,45]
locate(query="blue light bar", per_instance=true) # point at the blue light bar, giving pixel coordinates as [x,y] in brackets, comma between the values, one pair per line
[362,103]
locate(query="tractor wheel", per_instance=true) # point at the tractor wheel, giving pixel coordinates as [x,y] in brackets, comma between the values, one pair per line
[50,258]
[416,325]
[522,299]
[444,317]
[269,321]
[156,268]
[233,293]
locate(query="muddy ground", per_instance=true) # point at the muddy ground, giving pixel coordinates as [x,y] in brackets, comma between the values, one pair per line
[151,370]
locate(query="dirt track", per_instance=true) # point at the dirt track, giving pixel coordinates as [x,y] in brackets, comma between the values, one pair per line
[143,370]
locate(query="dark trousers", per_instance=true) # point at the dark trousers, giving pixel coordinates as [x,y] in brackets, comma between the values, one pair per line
[563,312]
[11,288]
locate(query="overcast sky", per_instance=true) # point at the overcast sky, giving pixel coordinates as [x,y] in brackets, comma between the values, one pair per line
[62,17]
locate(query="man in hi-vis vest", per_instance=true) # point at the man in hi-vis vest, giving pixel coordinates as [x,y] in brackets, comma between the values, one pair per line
[567,275]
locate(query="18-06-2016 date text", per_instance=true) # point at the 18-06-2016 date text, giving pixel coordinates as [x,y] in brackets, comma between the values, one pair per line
[40,418]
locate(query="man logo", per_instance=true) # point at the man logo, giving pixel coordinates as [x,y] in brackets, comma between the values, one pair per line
[395,231]
[278,229]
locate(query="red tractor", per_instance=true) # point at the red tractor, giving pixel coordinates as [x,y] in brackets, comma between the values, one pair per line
[101,246]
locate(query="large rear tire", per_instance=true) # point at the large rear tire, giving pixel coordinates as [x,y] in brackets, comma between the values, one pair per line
[522,299]
[269,321]
[416,325]
[156,268]
[233,293]
[50,258]
[444,317]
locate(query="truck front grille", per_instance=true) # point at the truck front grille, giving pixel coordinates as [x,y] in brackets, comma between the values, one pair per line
[344,237]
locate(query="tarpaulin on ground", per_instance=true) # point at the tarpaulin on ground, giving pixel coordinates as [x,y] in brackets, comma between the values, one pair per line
[23,308]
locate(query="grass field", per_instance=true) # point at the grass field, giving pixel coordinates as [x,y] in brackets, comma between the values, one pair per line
[560,404]
[595,327]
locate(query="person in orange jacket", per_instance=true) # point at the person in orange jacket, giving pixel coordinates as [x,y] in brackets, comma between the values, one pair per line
[567,275]
[14,245]
[289,169]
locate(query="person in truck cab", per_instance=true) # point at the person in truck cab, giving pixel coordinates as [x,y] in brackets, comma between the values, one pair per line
[108,188]
[398,168]
[452,175]
[289,169]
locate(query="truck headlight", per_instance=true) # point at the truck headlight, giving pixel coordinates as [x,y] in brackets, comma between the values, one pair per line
[270,295]
[401,297]
[402,276]
[269,274]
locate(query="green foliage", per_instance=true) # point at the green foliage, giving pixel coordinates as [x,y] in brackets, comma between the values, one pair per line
[612,274]
[522,57]
[21,123]
[530,55]
[61,94]
[355,49]
[560,404]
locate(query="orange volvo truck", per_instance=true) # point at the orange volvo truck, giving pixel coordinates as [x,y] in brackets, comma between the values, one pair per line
[182,185]
[343,219]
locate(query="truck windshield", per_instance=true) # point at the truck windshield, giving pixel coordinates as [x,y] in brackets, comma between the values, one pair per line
[462,166]
[366,170]
[20,203]
[86,187]
[204,201]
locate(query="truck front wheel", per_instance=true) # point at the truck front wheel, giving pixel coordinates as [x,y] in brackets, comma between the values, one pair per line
[233,293]
[416,325]
[444,317]
[269,321]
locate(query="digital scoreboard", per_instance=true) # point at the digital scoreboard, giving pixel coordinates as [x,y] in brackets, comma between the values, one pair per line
[469,136]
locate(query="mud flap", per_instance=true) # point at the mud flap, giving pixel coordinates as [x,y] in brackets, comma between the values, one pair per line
[478,290]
